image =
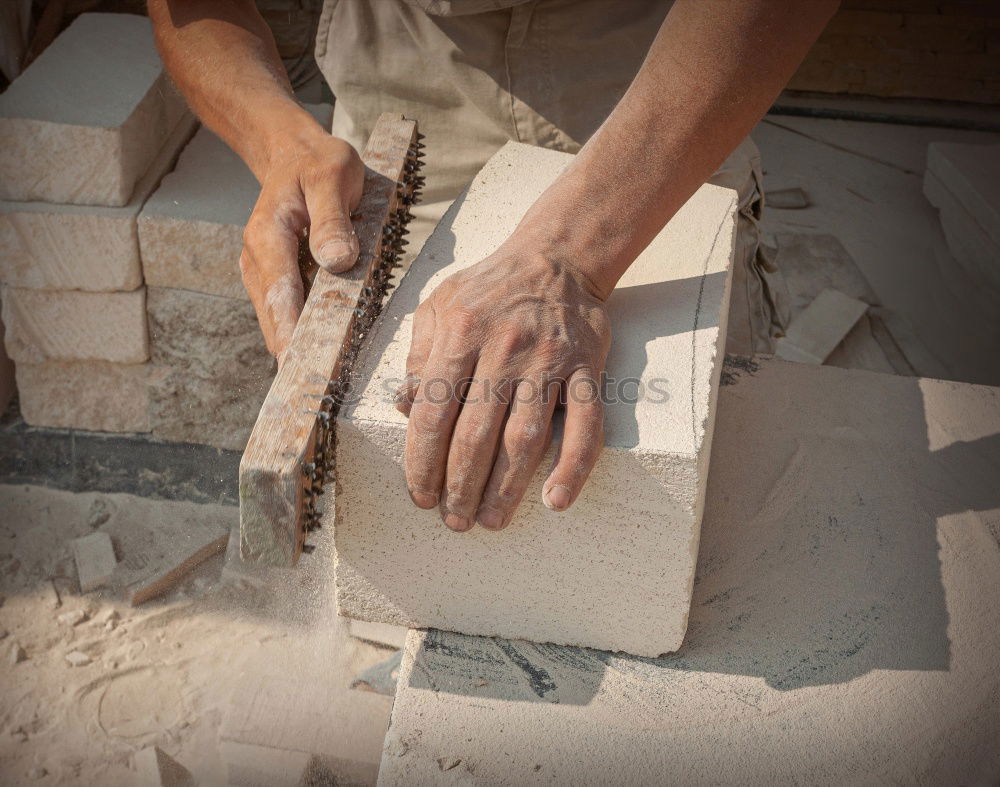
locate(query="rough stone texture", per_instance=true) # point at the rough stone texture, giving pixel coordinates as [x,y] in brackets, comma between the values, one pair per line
[844,626]
[210,368]
[80,247]
[551,577]
[75,326]
[85,120]
[191,228]
[93,395]
[7,385]
[963,182]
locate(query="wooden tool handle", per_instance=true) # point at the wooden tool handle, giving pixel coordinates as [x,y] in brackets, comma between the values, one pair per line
[290,449]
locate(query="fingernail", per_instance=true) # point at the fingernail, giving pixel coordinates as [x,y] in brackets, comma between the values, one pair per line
[557,498]
[423,499]
[457,522]
[338,255]
[489,518]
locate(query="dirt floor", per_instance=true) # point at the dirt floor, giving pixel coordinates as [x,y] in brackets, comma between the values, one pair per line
[160,674]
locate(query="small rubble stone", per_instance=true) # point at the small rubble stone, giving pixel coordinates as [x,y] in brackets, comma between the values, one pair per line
[3,634]
[77,658]
[95,560]
[17,654]
[37,773]
[73,618]
[100,512]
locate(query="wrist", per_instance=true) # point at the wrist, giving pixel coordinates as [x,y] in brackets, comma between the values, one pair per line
[286,131]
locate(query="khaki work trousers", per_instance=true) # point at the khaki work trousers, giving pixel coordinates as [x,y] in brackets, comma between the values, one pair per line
[478,73]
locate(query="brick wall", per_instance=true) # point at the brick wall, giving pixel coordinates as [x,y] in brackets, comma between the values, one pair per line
[932,49]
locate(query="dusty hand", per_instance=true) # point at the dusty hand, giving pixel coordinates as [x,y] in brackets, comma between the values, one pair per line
[494,349]
[312,183]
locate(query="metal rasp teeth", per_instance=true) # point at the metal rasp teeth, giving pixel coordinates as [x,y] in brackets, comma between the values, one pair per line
[322,463]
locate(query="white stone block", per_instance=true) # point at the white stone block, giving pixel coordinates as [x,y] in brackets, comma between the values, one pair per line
[93,395]
[85,120]
[817,330]
[191,228]
[616,571]
[963,182]
[81,247]
[75,326]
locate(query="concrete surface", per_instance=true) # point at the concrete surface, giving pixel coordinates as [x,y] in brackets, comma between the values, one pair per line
[70,325]
[191,228]
[82,247]
[85,120]
[844,626]
[816,331]
[550,576]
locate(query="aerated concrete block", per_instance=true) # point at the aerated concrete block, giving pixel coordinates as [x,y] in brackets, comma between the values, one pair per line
[47,325]
[616,571]
[191,228]
[94,395]
[81,247]
[210,368]
[84,121]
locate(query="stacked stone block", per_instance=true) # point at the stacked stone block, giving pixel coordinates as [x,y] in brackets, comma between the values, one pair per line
[86,134]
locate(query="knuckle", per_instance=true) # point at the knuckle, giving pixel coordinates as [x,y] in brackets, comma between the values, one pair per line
[462,321]
[428,419]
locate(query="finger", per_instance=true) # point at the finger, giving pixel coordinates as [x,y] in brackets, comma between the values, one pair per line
[473,448]
[432,419]
[270,269]
[332,239]
[420,349]
[583,440]
[525,437]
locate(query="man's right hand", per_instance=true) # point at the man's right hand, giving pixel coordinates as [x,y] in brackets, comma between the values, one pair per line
[311,183]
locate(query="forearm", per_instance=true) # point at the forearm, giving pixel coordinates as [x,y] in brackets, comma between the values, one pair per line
[223,59]
[710,75]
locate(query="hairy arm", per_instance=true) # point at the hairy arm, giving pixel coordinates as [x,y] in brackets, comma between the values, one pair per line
[223,58]
[531,317]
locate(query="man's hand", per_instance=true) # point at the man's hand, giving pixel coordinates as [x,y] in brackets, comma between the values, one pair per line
[495,347]
[311,184]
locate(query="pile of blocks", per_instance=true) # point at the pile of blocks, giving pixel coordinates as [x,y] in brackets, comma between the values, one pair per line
[120,236]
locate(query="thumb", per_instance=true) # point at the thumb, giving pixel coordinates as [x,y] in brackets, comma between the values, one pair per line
[332,240]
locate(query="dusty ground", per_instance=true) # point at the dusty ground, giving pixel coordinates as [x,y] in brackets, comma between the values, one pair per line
[159,674]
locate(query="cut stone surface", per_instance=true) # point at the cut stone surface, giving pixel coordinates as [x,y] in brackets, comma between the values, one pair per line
[156,768]
[84,121]
[94,395]
[81,247]
[846,576]
[379,633]
[616,572]
[820,327]
[191,228]
[75,326]
[95,560]
[963,182]
[210,368]
[336,732]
